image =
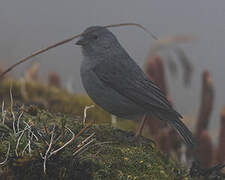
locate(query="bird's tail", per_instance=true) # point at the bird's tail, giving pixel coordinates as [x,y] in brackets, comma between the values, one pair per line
[174,120]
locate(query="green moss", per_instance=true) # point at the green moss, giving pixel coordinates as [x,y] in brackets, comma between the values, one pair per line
[51,98]
[111,156]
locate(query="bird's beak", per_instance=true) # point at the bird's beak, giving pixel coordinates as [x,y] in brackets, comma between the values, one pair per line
[81,42]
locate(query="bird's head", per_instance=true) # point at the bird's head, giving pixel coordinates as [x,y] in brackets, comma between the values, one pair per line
[97,39]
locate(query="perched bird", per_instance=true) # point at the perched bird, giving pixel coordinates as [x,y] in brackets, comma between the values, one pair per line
[117,84]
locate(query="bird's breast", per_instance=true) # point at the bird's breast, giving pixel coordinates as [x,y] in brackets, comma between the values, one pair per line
[106,97]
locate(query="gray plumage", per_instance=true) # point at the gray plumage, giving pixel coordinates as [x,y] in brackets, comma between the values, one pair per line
[118,85]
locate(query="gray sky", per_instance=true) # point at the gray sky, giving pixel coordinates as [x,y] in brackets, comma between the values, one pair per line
[28,25]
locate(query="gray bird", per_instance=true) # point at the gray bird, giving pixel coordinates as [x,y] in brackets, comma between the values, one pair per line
[117,84]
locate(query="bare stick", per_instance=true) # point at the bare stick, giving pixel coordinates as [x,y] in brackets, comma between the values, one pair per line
[48,155]
[37,53]
[57,150]
[133,24]
[29,129]
[49,147]
[18,142]
[18,122]
[28,144]
[85,112]
[30,138]
[85,140]
[25,147]
[83,129]
[82,149]
[4,112]
[68,40]
[21,135]
[7,155]
[11,105]
[84,144]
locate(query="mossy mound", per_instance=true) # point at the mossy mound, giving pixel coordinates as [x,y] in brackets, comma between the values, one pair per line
[110,155]
[50,98]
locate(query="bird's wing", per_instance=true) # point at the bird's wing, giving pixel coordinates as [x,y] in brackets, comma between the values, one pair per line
[129,81]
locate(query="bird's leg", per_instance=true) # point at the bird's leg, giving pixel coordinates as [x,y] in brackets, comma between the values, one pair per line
[140,127]
[137,139]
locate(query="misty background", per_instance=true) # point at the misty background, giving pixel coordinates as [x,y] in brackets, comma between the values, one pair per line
[29,25]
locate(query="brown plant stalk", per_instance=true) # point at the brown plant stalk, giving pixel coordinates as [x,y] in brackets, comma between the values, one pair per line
[204,151]
[220,157]
[206,106]
[68,40]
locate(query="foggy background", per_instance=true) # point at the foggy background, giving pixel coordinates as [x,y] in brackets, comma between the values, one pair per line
[28,25]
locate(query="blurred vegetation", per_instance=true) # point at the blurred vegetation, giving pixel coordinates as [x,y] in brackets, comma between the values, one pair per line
[96,151]
[51,98]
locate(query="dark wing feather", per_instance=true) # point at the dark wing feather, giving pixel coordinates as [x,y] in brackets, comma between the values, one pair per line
[128,79]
